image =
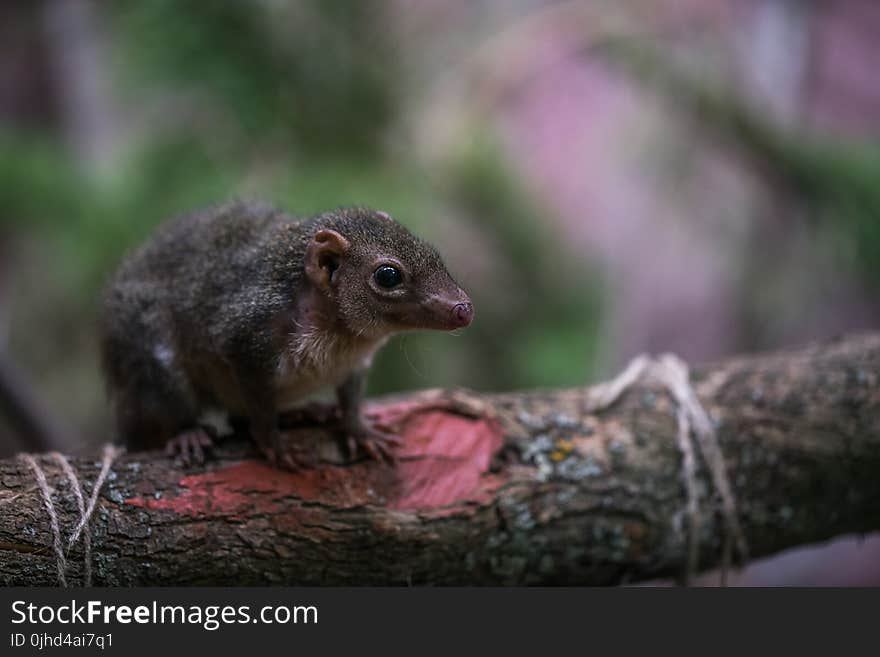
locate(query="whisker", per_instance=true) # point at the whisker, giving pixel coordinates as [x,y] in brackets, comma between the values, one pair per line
[406,355]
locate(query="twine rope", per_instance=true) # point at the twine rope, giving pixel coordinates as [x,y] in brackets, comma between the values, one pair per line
[108,456]
[692,420]
[39,475]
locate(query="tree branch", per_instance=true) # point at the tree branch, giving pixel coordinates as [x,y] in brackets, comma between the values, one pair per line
[489,489]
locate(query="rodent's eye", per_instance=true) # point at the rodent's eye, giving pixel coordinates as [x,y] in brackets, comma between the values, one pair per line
[387,276]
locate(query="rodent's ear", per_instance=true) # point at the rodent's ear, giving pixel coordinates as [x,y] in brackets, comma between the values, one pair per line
[323,256]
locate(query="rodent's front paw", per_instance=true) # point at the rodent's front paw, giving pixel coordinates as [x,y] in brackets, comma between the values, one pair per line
[190,447]
[376,444]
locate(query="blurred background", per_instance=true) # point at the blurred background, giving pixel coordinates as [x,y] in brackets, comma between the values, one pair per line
[604,178]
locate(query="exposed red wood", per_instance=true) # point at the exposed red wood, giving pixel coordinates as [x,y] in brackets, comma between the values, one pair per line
[444,461]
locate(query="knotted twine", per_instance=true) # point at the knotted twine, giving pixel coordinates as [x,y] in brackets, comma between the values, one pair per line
[692,419]
[109,454]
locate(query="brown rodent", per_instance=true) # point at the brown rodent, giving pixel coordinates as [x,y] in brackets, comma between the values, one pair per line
[246,309]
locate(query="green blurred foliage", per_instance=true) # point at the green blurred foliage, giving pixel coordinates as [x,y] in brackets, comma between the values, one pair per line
[314,76]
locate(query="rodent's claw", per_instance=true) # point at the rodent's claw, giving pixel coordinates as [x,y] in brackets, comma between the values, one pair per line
[190,447]
[285,459]
[271,455]
[377,445]
[290,463]
[269,443]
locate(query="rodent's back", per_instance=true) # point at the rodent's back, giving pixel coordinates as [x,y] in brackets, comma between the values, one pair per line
[210,243]
[198,281]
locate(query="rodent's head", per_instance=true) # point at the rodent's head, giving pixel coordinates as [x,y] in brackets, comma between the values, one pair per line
[382,278]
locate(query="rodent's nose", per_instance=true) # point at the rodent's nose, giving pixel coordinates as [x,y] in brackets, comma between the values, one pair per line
[462,314]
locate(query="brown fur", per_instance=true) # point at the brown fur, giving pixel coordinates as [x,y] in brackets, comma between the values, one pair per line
[246,308]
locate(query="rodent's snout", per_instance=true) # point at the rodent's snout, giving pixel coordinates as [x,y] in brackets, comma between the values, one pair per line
[446,311]
[462,314]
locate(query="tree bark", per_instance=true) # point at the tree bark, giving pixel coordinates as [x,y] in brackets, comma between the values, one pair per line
[524,488]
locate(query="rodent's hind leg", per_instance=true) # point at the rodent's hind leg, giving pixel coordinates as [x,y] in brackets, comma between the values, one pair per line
[147,418]
[153,397]
[190,446]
